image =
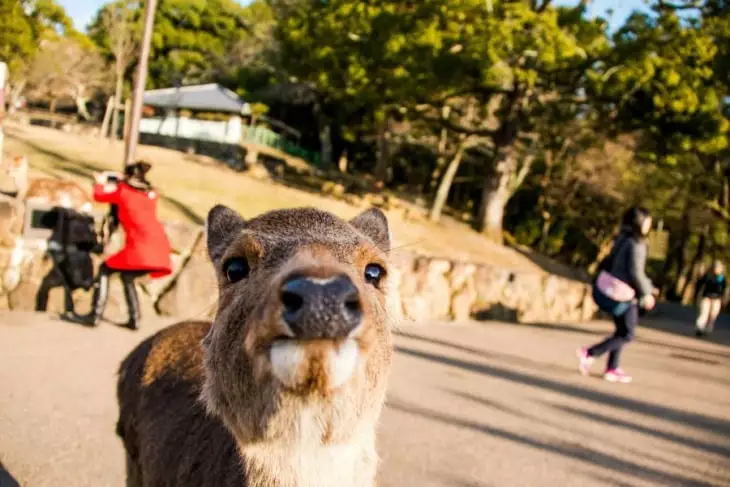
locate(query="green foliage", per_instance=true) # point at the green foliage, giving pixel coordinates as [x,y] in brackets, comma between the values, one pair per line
[17,37]
[24,23]
[660,80]
[573,124]
[190,41]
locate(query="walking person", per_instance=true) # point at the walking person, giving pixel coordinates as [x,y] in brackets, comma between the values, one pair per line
[711,287]
[621,289]
[146,247]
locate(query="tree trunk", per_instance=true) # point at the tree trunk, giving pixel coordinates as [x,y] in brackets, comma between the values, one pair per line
[445,186]
[324,127]
[52,106]
[382,165]
[547,225]
[694,270]
[496,194]
[14,93]
[440,150]
[107,118]
[325,143]
[114,135]
[603,250]
[127,111]
[81,107]
[342,163]
[681,276]
[667,281]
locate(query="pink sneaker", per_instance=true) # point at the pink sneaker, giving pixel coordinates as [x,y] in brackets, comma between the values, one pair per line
[585,360]
[617,375]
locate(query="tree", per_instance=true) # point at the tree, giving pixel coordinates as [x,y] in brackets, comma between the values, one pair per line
[115,29]
[364,62]
[542,57]
[190,37]
[664,81]
[190,40]
[23,25]
[66,67]
[16,34]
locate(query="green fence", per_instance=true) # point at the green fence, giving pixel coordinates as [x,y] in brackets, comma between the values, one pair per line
[264,136]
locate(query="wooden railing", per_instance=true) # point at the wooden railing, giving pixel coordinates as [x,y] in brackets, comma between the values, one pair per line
[263,136]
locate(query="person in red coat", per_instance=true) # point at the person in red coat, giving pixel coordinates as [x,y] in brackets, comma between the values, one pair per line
[146,247]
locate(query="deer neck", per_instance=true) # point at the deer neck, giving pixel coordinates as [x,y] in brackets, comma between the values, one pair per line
[305,463]
[20,179]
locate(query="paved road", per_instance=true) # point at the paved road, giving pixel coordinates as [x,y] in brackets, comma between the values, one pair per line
[470,405]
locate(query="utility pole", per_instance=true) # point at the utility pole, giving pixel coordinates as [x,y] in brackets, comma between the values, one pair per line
[132,135]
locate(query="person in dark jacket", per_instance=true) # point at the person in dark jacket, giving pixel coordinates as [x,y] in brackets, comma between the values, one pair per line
[712,289]
[73,240]
[146,247]
[621,288]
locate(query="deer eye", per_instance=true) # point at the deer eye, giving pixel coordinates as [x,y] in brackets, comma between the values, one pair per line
[236,269]
[374,273]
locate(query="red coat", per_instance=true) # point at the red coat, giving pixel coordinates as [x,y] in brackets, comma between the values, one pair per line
[146,247]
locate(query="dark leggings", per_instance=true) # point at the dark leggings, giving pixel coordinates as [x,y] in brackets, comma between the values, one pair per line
[625,329]
[101,290]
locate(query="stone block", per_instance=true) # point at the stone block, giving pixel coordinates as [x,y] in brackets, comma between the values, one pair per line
[195,290]
[182,236]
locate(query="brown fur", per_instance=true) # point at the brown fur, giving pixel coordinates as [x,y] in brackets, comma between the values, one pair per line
[52,192]
[9,221]
[199,403]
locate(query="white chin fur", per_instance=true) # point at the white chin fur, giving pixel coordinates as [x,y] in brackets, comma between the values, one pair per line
[288,357]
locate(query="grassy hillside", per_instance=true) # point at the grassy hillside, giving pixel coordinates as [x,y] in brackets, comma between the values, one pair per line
[190,186]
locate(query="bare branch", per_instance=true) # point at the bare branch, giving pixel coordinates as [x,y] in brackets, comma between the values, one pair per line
[695,5]
[545,4]
[453,126]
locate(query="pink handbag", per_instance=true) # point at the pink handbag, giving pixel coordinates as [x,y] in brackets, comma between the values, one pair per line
[614,288]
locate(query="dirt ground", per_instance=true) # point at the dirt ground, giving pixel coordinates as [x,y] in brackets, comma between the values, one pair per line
[474,404]
[190,185]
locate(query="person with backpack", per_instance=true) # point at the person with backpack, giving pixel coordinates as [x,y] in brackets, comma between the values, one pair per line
[73,240]
[711,287]
[621,289]
[146,246]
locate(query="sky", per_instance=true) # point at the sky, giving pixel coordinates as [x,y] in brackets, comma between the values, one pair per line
[82,11]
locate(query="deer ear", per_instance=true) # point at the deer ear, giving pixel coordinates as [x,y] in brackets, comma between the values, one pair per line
[374,224]
[221,227]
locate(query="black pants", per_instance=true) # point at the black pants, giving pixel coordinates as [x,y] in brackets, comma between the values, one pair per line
[54,279]
[101,291]
[625,329]
[72,269]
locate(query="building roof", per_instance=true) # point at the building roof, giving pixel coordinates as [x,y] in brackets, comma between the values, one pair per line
[210,97]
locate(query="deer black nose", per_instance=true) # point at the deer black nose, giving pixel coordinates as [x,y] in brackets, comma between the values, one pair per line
[321,307]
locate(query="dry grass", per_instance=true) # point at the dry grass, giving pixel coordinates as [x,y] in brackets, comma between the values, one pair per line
[190,187]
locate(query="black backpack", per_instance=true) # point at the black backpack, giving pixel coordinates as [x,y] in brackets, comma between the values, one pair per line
[607,263]
[74,229]
[73,240]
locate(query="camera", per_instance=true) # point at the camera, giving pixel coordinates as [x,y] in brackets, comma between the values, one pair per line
[110,177]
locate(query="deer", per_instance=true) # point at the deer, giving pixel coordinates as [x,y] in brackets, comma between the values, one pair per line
[285,386]
[47,191]
[51,192]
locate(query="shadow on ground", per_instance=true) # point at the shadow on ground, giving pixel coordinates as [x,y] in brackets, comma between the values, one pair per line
[695,420]
[571,400]
[575,451]
[6,479]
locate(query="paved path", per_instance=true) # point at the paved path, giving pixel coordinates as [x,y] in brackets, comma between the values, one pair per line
[470,405]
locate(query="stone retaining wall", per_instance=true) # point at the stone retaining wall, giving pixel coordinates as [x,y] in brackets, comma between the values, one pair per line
[428,288]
